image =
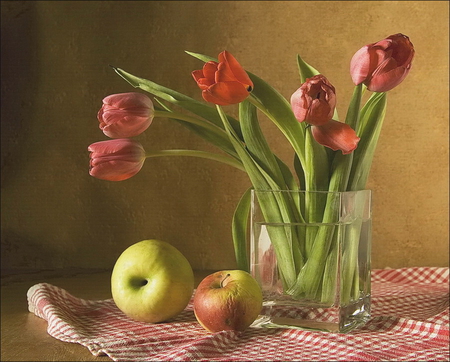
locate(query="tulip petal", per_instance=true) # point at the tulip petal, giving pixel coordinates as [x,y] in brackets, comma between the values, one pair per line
[128,100]
[197,75]
[336,135]
[125,128]
[115,170]
[297,103]
[360,65]
[387,78]
[232,70]
[319,112]
[404,50]
[224,74]
[209,71]
[225,93]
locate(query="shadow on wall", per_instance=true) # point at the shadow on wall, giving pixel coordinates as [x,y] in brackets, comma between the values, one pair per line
[18,76]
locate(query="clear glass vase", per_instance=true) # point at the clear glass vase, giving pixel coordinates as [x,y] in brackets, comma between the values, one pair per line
[310,253]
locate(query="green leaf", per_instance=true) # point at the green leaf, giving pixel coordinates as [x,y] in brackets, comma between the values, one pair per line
[305,70]
[195,153]
[342,164]
[239,230]
[317,167]
[279,111]
[208,131]
[202,57]
[289,179]
[372,117]
[300,172]
[210,137]
[353,112]
[257,145]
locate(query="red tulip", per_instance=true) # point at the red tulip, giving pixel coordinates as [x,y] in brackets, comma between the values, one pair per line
[125,114]
[314,101]
[116,160]
[336,135]
[225,82]
[383,65]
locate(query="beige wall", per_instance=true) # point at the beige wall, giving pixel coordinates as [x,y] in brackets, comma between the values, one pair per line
[55,57]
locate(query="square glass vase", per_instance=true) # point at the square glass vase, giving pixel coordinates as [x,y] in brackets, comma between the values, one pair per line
[310,253]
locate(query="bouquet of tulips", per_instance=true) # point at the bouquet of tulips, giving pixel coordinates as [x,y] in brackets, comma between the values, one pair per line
[329,155]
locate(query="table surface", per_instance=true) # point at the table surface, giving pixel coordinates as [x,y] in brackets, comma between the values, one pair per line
[24,335]
[398,328]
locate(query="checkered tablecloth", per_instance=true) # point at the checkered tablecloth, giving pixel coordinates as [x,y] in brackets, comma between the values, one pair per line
[410,322]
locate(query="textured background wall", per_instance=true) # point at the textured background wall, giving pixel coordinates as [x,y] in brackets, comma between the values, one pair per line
[55,72]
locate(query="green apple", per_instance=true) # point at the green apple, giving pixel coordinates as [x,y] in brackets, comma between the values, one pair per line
[152,281]
[227,300]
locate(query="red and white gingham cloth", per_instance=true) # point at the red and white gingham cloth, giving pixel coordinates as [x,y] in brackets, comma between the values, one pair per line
[410,322]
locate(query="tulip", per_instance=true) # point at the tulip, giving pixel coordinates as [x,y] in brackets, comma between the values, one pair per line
[224,82]
[125,114]
[314,101]
[116,160]
[383,65]
[337,136]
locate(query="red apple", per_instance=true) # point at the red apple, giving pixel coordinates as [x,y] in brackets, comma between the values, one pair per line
[227,300]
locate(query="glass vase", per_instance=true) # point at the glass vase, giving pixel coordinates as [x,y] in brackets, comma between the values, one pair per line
[310,253]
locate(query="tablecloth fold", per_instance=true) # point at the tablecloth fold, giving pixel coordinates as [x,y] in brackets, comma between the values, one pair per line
[410,322]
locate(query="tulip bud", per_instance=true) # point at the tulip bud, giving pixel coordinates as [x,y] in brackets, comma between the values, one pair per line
[383,65]
[223,83]
[125,114]
[315,101]
[116,160]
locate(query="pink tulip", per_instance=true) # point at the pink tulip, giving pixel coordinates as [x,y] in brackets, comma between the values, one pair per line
[383,65]
[223,83]
[116,160]
[337,136]
[125,114]
[314,101]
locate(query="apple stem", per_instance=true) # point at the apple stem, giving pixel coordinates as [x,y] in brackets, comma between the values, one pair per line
[221,283]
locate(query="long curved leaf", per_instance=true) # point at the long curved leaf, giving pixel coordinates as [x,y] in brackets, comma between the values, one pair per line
[257,145]
[372,117]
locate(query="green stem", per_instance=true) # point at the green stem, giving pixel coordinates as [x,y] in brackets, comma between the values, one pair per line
[201,154]
[310,277]
[349,264]
[288,132]
[197,121]
[210,132]
[273,207]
